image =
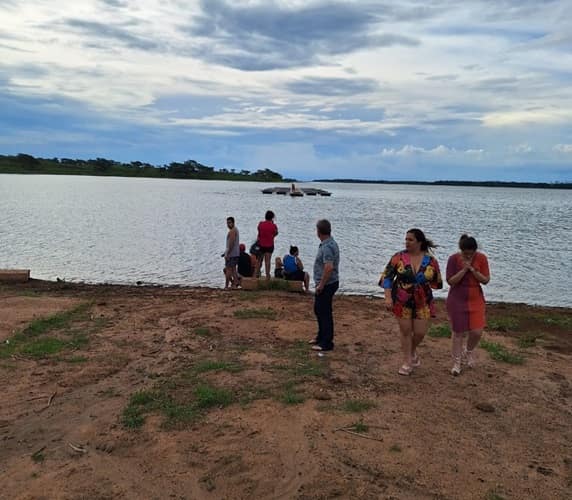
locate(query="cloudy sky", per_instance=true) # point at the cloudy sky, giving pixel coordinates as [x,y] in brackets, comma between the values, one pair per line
[408,89]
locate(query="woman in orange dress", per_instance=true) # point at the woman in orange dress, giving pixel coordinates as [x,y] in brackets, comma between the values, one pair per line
[407,282]
[466,271]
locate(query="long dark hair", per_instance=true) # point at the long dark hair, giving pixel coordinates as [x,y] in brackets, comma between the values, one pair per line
[467,242]
[421,238]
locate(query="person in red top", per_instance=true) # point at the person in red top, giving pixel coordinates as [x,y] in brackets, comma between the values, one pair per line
[267,231]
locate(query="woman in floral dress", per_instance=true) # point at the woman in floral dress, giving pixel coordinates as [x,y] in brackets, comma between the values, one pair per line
[407,282]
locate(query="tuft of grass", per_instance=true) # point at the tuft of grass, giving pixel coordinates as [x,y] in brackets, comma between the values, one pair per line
[76,359]
[562,321]
[359,427]
[500,353]
[132,417]
[208,396]
[290,396]
[440,331]
[493,495]
[38,456]
[395,448]
[209,366]
[277,285]
[357,405]
[202,331]
[265,313]
[528,340]
[502,324]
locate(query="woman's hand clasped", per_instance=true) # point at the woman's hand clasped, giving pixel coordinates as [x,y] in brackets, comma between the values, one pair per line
[389,304]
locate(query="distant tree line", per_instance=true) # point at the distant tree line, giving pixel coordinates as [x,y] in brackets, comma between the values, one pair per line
[544,185]
[190,169]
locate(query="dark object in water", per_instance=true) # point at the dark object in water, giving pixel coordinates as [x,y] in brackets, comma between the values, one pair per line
[296,192]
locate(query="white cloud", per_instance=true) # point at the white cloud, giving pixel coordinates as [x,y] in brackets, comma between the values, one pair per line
[521,148]
[563,148]
[440,150]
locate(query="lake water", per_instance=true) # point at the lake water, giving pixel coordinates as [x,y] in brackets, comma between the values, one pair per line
[167,231]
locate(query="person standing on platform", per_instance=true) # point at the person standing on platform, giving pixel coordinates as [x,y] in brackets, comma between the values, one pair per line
[267,231]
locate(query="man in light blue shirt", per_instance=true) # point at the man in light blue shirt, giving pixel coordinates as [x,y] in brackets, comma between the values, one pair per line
[326,278]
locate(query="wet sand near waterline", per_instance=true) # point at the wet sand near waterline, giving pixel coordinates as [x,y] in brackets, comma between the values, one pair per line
[147,392]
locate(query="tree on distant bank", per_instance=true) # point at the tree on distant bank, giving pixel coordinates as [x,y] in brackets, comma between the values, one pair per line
[189,169]
[27,161]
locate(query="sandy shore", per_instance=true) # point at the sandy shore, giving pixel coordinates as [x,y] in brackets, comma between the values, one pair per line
[140,392]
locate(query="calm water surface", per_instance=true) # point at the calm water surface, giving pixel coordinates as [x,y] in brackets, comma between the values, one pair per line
[167,231]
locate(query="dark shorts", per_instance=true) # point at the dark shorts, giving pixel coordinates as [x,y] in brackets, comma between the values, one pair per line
[231,262]
[264,250]
[295,276]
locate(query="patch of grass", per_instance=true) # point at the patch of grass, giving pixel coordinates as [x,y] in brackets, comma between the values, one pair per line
[46,346]
[493,495]
[132,417]
[208,366]
[276,285]
[202,331]
[249,296]
[395,448]
[209,396]
[57,321]
[440,331]
[562,321]
[265,313]
[33,341]
[289,395]
[359,427]
[357,405]
[502,324]
[500,353]
[76,359]
[528,340]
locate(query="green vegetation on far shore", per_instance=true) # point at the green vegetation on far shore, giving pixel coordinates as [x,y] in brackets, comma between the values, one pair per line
[190,169]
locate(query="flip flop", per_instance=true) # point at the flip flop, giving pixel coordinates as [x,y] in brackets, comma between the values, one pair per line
[405,370]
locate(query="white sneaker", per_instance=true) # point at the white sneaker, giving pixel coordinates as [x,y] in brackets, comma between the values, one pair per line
[456,370]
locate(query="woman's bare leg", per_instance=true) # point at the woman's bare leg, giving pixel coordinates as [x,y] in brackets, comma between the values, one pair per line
[267,257]
[472,343]
[420,327]
[406,331]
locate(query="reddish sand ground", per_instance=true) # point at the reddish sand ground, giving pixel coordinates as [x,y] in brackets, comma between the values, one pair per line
[237,408]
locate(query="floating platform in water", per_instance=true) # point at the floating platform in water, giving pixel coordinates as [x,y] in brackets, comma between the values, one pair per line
[296,192]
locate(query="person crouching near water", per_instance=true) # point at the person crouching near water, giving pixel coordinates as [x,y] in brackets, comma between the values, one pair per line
[466,271]
[407,282]
[294,269]
[245,266]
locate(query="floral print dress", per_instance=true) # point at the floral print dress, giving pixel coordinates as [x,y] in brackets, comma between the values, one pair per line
[410,291]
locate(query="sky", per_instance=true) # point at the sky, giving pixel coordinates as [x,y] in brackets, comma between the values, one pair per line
[394,90]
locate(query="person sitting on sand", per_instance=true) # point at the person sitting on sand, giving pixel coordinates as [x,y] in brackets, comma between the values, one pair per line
[294,269]
[278,268]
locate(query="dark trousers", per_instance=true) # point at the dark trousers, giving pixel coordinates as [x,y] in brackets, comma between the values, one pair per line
[323,311]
